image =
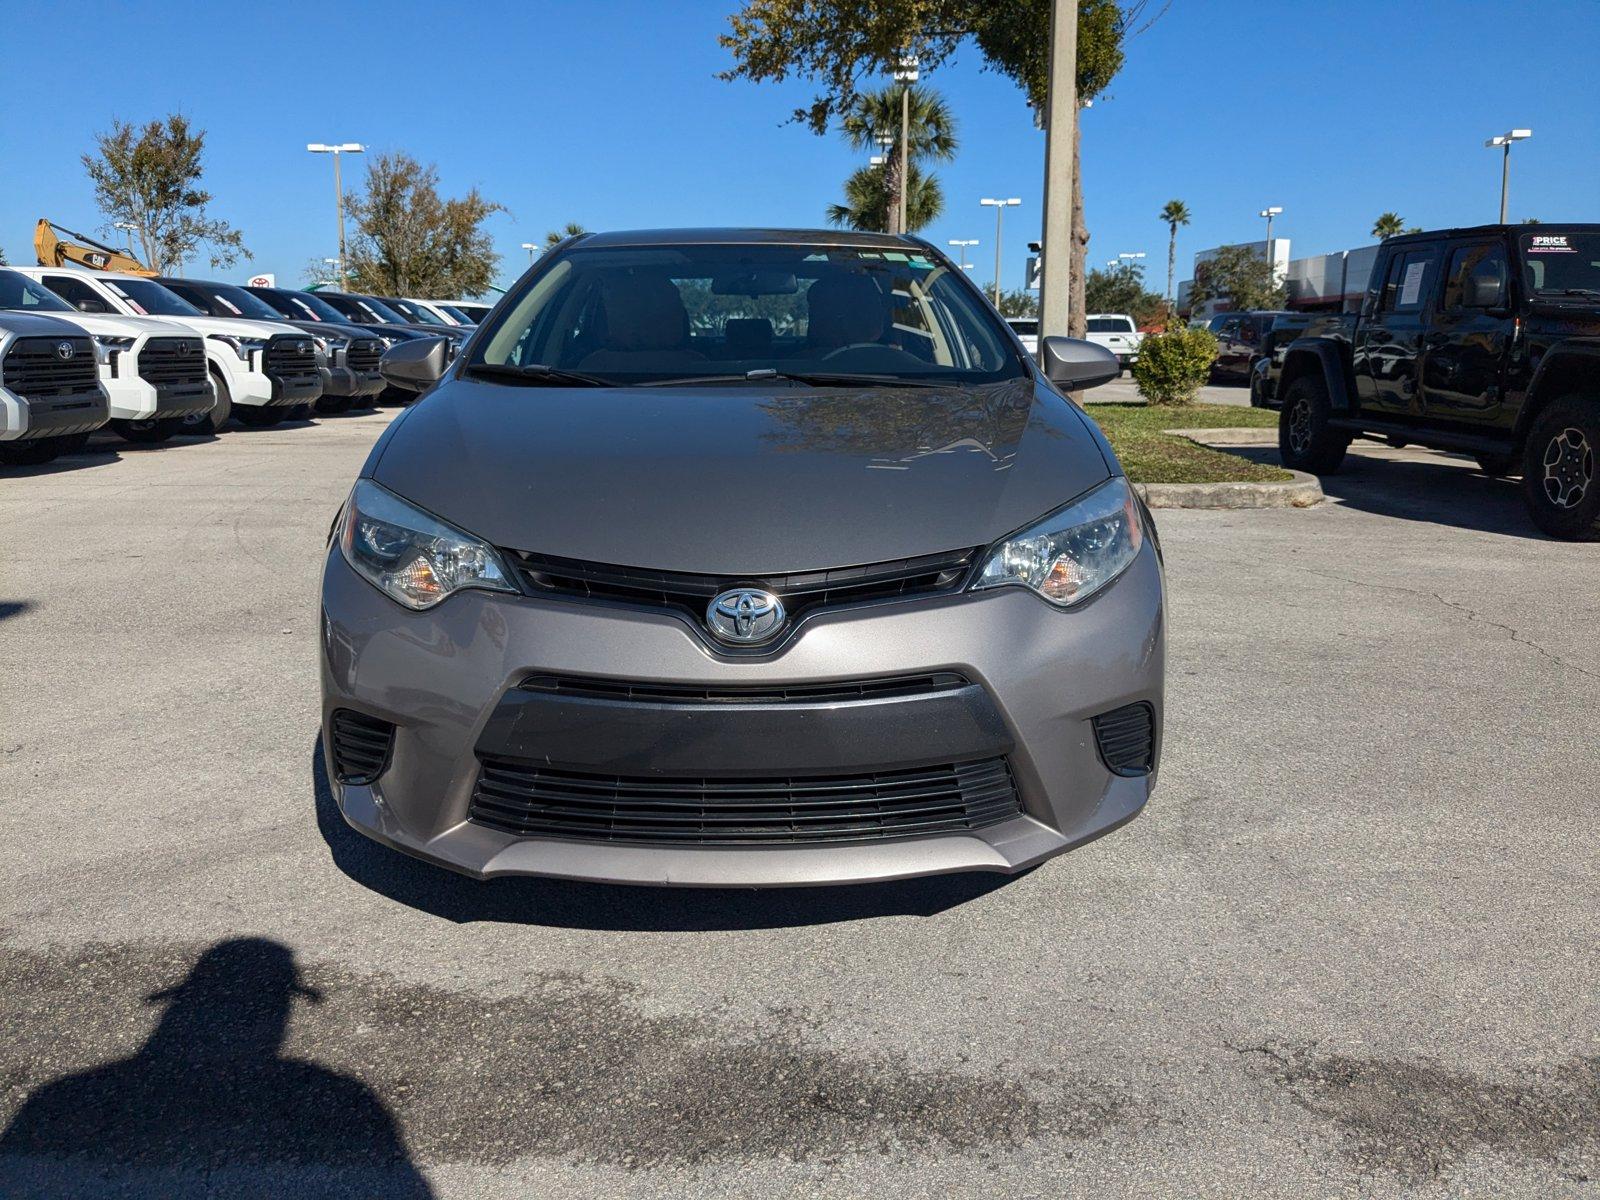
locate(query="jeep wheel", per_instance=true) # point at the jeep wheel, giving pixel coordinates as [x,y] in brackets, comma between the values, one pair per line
[260,416]
[1560,476]
[146,432]
[1305,440]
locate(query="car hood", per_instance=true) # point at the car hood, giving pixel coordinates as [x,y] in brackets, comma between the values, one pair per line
[226,326]
[120,326]
[740,480]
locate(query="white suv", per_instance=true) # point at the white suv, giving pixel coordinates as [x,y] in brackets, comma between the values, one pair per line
[259,371]
[153,372]
[1118,333]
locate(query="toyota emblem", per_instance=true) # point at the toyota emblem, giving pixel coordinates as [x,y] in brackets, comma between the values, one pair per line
[65,350]
[745,616]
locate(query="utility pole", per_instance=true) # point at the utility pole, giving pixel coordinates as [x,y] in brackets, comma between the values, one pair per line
[1060,118]
[338,196]
[999,207]
[1505,140]
[906,75]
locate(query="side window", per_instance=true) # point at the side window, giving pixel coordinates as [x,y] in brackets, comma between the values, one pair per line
[1473,272]
[75,292]
[1229,329]
[1409,283]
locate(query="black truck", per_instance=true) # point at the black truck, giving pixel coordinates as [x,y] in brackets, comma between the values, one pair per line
[1483,341]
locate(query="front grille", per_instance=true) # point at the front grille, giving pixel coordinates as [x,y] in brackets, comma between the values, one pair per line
[800,693]
[34,367]
[288,355]
[360,745]
[165,360]
[1126,737]
[801,592]
[530,799]
[363,355]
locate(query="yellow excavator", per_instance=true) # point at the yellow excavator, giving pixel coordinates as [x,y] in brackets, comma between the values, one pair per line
[52,248]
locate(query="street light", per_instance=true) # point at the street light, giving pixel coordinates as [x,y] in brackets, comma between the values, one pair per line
[999,207]
[532,248]
[338,192]
[907,74]
[1269,213]
[1505,140]
[964,243]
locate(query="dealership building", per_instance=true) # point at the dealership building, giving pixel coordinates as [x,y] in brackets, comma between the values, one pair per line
[1322,283]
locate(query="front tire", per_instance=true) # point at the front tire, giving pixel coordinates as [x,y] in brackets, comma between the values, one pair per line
[1561,469]
[147,432]
[1306,442]
[259,416]
[210,423]
[332,405]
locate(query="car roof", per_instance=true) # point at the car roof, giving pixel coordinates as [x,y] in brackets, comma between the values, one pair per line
[1481,230]
[748,237]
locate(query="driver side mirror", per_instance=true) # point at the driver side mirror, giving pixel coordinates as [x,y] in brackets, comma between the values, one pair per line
[1073,364]
[415,365]
[1484,291]
[90,305]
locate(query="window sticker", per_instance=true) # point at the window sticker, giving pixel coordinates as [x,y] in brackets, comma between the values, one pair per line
[231,306]
[1549,243]
[1411,285]
[868,254]
[894,256]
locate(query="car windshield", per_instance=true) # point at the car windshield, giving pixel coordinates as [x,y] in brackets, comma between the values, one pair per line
[636,314]
[23,294]
[474,313]
[456,314]
[380,312]
[243,303]
[151,299]
[302,306]
[415,313]
[1561,263]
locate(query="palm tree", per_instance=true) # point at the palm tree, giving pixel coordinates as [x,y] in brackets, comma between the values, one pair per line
[868,198]
[930,134]
[1174,213]
[1388,225]
[557,236]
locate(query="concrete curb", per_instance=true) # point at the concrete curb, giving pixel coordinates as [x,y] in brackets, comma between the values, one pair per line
[1300,492]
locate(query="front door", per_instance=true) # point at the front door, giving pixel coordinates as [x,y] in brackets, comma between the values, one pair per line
[1388,346]
[1470,338]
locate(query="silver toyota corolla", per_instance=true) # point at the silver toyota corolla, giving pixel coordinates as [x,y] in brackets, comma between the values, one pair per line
[736,557]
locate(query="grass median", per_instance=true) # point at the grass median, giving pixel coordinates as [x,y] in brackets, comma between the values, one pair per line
[1151,455]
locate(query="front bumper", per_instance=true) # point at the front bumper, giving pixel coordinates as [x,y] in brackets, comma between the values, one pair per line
[294,389]
[27,417]
[448,679]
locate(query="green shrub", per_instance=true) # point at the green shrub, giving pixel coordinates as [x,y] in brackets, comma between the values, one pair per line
[1172,366]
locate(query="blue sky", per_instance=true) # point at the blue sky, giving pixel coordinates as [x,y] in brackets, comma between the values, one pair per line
[610,113]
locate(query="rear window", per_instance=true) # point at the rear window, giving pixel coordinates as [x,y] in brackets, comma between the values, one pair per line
[1110,325]
[1561,264]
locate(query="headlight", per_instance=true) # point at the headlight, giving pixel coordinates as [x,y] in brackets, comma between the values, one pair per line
[410,556]
[1075,551]
[240,345]
[105,347]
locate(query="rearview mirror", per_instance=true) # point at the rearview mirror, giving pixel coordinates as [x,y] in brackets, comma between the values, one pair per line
[755,283]
[415,365]
[1073,364]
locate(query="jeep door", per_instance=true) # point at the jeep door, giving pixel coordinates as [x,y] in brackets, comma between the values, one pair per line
[1466,346]
[1388,345]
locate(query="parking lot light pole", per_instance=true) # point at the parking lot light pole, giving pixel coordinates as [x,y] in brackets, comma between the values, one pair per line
[338,193]
[906,75]
[532,248]
[999,207]
[963,243]
[1504,141]
[1269,213]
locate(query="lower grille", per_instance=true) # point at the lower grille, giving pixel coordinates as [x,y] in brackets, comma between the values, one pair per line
[34,367]
[172,360]
[363,355]
[533,800]
[800,693]
[1126,737]
[801,592]
[290,356]
[361,746]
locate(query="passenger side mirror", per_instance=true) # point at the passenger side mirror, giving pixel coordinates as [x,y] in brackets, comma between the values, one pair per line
[92,306]
[1073,364]
[416,365]
[1484,291]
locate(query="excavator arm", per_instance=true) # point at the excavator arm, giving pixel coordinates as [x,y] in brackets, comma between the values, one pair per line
[53,250]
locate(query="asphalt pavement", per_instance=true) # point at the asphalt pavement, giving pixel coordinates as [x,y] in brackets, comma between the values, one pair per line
[1351,948]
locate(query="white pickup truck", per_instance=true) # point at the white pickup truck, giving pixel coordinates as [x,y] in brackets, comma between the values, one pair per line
[1118,333]
[50,395]
[258,370]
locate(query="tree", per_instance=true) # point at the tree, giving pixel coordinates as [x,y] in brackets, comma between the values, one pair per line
[3,261]
[1018,302]
[150,178]
[840,42]
[930,134]
[868,196]
[1174,213]
[1242,276]
[556,236]
[410,242]
[1122,290]
[1388,225]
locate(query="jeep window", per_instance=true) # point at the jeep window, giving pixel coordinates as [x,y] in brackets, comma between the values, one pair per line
[22,294]
[1483,260]
[1409,284]
[1560,264]
[151,299]
[637,314]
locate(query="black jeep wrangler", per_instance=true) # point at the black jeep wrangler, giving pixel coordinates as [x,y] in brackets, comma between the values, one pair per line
[1484,341]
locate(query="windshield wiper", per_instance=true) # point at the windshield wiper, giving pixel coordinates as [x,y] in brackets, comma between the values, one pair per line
[536,375]
[811,378]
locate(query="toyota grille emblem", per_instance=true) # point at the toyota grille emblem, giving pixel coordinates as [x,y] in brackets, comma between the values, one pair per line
[745,617]
[183,349]
[65,350]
